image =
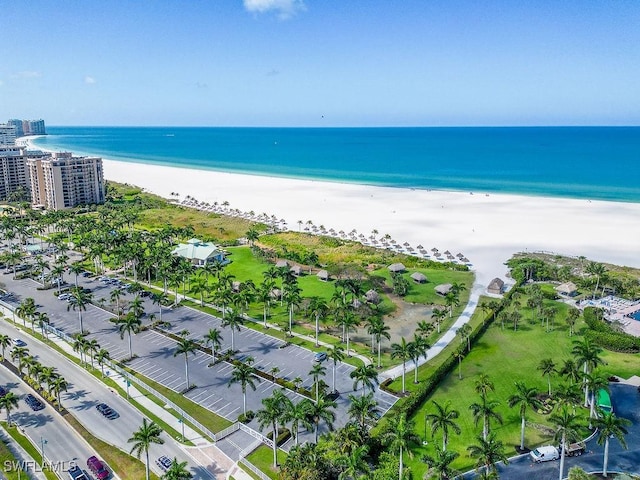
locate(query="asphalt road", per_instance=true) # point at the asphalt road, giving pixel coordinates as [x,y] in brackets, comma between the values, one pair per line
[63,445]
[85,392]
[155,352]
[626,403]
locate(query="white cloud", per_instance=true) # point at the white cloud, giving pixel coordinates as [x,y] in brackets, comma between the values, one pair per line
[27,74]
[284,8]
[89,80]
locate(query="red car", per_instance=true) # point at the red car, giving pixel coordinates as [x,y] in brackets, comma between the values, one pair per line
[97,468]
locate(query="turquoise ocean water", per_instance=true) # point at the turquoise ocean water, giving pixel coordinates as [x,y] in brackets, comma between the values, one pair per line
[578,162]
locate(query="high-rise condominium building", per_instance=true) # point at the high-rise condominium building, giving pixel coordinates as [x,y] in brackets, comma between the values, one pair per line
[60,181]
[14,175]
[7,134]
[18,124]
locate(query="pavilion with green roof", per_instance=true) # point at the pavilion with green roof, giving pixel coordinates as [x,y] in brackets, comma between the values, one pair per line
[200,253]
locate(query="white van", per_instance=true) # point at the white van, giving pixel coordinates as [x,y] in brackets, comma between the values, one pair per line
[544,454]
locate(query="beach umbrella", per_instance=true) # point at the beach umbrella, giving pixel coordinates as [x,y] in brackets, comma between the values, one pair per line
[447,252]
[459,255]
[420,247]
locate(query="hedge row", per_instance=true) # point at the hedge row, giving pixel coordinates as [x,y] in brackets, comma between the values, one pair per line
[417,398]
[602,333]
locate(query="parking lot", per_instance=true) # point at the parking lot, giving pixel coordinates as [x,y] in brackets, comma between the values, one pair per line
[154,352]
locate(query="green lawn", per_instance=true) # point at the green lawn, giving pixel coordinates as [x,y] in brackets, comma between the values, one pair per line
[424,292]
[6,459]
[506,356]
[262,457]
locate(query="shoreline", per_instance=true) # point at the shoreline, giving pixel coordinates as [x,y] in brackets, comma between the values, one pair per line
[487,228]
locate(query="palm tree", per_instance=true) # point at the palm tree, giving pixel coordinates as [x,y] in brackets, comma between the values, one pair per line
[270,416]
[58,385]
[440,464]
[438,314]
[136,307]
[234,322]
[417,349]
[5,341]
[243,374]
[147,434]
[128,324]
[444,418]
[200,287]
[316,372]
[76,268]
[185,346]
[20,354]
[92,348]
[459,355]
[362,409]
[115,296]
[102,356]
[365,375]
[159,299]
[379,330]
[213,338]
[349,321]
[589,356]
[401,350]
[79,301]
[297,414]
[484,385]
[177,471]
[488,452]
[597,269]
[610,426]
[547,366]
[485,410]
[400,437]
[26,309]
[8,402]
[464,331]
[524,397]
[596,381]
[336,354]
[321,411]
[571,319]
[292,298]
[570,371]
[566,431]
[354,464]
[318,309]
[80,345]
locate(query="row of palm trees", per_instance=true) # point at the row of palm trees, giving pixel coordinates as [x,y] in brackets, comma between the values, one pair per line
[43,378]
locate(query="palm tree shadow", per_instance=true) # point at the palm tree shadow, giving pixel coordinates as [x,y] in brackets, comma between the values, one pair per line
[165,352]
[263,347]
[27,419]
[76,394]
[85,405]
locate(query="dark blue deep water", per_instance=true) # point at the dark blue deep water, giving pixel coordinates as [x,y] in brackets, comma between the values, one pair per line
[579,162]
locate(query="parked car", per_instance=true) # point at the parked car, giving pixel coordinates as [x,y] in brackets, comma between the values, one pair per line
[3,392]
[76,473]
[544,454]
[33,402]
[97,468]
[64,296]
[164,463]
[320,357]
[107,411]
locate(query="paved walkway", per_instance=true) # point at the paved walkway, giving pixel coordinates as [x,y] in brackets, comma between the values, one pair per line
[445,339]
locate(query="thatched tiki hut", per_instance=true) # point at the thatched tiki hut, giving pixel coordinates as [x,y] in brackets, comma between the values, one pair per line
[396,268]
[443,289]
[296,270]
[496,286]
[282,264]
[568,289]
[323,275]
[419,277]
[372,297]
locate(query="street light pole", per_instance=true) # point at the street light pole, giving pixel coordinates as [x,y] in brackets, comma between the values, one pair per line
[43,443]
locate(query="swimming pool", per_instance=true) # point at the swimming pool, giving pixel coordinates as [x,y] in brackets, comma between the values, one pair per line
[636,315]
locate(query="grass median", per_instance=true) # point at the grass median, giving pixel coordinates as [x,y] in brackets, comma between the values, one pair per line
[29,448]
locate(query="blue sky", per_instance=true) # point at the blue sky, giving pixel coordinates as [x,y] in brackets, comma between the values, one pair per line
[322,62]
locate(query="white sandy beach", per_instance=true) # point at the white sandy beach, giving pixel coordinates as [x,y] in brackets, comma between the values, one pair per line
[486,228]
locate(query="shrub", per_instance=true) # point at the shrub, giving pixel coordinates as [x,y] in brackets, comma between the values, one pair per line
[283,435]
[603,334]
[246,417]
